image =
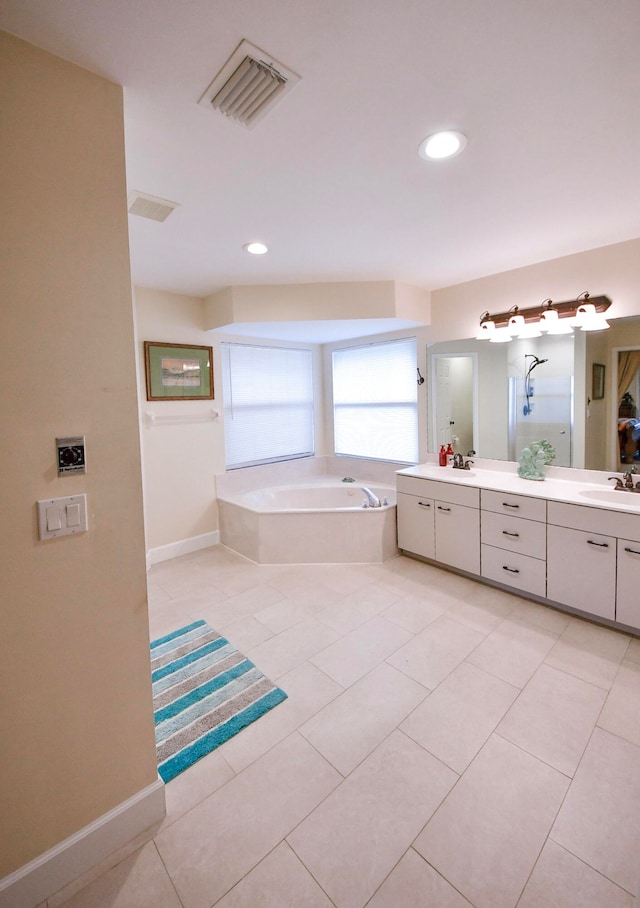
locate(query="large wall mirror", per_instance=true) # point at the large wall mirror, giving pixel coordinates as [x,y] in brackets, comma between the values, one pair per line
[496,398]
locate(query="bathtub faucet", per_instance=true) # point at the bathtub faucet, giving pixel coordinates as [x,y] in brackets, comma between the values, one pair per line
[374,501]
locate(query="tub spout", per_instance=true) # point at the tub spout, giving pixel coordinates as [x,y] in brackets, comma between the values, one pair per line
[374,501]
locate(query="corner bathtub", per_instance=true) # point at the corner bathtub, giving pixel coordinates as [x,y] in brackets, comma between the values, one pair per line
[320,522]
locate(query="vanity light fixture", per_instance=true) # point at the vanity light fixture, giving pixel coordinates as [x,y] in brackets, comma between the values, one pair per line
[441,145]
[587,317]
[487,327]
[255,248]
[585,312]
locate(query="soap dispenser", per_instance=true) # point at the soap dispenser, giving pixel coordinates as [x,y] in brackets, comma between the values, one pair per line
[442,456]
[450,453]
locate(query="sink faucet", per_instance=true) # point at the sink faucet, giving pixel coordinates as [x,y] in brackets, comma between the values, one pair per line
[626,483]
[373,500]
[459,463]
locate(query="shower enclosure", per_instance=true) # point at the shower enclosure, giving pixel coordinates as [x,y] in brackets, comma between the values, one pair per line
[541,408]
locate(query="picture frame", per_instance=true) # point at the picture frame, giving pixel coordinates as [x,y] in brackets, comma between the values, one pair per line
[178,371]
[597,381]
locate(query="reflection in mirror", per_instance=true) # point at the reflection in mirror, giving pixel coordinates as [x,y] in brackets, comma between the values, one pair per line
[454,383]
[512,406]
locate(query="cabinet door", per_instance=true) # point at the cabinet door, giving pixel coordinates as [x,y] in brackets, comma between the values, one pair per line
[458,536]
[416,525]
[581,570]
[628,598]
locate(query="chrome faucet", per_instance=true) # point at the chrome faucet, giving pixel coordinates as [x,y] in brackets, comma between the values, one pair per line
[372,500]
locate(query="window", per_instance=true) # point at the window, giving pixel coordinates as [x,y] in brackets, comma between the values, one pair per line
[375,401]
[268,404]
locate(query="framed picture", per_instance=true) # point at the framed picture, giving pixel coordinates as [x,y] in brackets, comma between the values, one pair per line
[597,388]
[178,371]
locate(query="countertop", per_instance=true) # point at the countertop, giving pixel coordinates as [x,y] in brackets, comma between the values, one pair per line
[583,487]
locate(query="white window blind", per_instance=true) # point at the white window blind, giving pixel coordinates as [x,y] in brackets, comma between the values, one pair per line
[268,404]
[375,401]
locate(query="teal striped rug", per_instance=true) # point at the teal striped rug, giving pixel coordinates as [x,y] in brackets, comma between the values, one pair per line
[204,692]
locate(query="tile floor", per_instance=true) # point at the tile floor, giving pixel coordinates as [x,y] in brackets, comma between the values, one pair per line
[444,744]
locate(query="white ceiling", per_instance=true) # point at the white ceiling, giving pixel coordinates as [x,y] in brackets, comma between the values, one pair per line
[546,92]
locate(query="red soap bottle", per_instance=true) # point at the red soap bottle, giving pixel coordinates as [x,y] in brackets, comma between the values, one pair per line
[442,456]
[449,453]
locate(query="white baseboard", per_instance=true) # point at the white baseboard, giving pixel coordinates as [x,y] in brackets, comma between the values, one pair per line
[34,882]
[182,547]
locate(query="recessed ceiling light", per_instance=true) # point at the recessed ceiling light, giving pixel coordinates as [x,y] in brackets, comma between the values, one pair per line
[255,248]
[442,145]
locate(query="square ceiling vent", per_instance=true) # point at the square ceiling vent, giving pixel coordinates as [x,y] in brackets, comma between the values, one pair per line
[249,84]
[150,206]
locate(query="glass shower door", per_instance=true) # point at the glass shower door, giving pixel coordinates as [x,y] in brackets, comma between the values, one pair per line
[545,412]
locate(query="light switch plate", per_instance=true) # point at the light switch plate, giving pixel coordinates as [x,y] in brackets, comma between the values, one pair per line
[67,516]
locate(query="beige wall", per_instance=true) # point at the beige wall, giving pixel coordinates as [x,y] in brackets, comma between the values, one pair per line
[77,725]
[610,270]
[181,459]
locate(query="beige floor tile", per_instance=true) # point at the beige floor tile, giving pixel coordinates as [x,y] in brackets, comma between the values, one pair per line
[284,614]
[216,844]
[486,836]
[240,605]
[349,728]
[414,613]
[633,653]
[358,834]
[436,651]
[356,608]
[308,690]
[553,718]
[138,880]
[560,880]
[457,718]
[621,713]
[551,619]
[589,652]
[355,654]
[246,632]
[292,647]
[415,884]
[600,819]
[279,881]
[484,611]
[195,784]
[513,651]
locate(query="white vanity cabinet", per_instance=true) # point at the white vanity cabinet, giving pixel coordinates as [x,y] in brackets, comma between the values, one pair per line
[441,521]
[628,582]
[581,556]
[581,570]
[587,565]
[514,540]
[416,523]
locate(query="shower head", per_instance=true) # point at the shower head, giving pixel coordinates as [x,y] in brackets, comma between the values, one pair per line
[536,362]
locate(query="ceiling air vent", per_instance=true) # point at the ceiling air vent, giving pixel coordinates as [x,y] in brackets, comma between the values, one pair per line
[149,206]
[248,85]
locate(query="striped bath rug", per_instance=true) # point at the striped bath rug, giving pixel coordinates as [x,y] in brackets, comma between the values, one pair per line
[204,692]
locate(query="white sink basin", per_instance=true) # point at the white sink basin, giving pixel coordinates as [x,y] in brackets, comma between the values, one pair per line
[612,496]
[467,474]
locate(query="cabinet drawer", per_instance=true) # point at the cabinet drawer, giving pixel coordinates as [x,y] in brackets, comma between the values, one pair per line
[513,569]
[628,589]
[445,491]
[514,534]
[581,570]
[516,505]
